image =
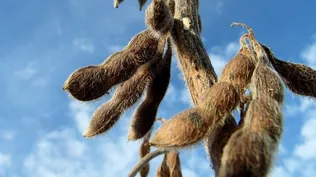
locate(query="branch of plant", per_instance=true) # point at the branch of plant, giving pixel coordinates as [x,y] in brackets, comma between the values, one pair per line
[145,160]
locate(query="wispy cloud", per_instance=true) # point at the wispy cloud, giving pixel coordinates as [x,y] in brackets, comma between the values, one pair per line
[7,135]
[5,162]
[309,54]
[220,55]
[84,44]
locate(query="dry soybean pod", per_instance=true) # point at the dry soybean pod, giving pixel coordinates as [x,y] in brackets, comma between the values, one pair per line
[159,18]
[298,78]
[262,127]
[216,141]
[184,129]
[143,151]
[190,126]
[238,71]
[219,101]
[91,82]
[163,169]
[250,150]
[264,79]
[145,114]
[174,164]
[124,97]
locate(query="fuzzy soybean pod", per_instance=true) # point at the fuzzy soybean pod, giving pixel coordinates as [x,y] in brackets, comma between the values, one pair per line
[218,102]
[266,81]
[171,5]
[159,18]
[190,126]
[125,96]
[238,71]
[143,151]
[298,78]
[250,150]
[163,169]
[145,114]
[184,129]
[216,140]
[174,164]
[91,82]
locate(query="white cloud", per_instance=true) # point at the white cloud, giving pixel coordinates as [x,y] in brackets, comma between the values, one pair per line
[291,164]
[309,54]
[189,172]
[32,74]
[309,130]
[307,150]
[27,72]
[59,154]
[306,103]
[8,135]
[5,163]
[282,149]
[280,172]
[302,159]
[218,62]
[220,55]
[66,153]
[81,113]
[5,160]
[84,44]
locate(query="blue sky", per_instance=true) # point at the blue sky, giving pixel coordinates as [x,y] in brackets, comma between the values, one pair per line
[42,42]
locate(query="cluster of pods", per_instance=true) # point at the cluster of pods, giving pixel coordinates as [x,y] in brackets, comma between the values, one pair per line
[143,66]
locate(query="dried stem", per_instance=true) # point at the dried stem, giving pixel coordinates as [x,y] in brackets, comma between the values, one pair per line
[145,160]
[196,65]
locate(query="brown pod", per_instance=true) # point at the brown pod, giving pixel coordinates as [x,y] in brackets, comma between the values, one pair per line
[145,114]
[103,119]
[184,129]
[219,101]
[125,96]
[163,169]
[251,149]
[246,154]
[92,82]
[87,83]
[171,5]
[143,151]
[217,139]
[238,71]
[158,17]
[266,81]
[299,78]
[117,3]
[174,164]
[265,115]
[142,48]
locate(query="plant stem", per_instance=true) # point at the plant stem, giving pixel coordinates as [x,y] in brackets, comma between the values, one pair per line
[145,160]
[198,71]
